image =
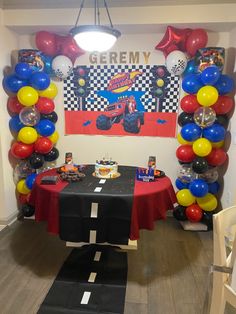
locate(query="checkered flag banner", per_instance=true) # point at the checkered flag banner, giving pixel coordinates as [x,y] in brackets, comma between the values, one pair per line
[99,77]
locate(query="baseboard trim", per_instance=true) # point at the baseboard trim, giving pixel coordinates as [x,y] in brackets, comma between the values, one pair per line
[9,220]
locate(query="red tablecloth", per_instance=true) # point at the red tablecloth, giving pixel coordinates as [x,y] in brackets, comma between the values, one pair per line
[151,200]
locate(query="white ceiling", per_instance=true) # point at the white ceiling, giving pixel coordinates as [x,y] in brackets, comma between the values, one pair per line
[40,4]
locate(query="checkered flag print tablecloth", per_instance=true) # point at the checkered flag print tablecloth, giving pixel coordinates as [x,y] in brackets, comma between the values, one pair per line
[99,77]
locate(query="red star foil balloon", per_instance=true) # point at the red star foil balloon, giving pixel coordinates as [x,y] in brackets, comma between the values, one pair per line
[174,39]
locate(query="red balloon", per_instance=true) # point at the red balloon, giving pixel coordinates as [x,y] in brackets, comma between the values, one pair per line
[189,103]
[45,105]
[185,153]
[174,39]
[69,48]
[13,105]
[46,42]
[43,145]
[217,157]
[196,40]
[21,150]
[223,105]
[194,213]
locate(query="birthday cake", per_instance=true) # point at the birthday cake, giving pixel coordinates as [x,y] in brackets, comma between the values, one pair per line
[106,169]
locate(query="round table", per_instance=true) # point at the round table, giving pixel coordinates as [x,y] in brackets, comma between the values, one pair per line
[144,202]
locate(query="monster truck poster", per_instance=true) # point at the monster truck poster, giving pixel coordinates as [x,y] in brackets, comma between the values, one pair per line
[140,100]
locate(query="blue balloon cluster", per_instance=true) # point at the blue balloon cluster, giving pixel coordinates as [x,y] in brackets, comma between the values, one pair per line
[192,82]
[24,76]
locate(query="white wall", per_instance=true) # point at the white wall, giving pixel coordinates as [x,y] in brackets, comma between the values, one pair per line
[126,150]
[8,206]
[229,192]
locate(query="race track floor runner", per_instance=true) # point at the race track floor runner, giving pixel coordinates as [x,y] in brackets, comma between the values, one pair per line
[91,280]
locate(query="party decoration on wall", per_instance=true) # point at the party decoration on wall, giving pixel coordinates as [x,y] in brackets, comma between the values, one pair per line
[139,100]
[32,123]
[53,45]
[185,40]
[203,121]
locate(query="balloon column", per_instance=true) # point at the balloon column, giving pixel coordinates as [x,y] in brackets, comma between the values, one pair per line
[32,124]
[204,121]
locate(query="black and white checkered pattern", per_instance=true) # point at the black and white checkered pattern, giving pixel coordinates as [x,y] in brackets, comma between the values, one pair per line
[99,77]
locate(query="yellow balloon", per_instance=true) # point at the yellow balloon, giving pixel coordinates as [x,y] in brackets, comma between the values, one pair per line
[202,147]
[27,135]
[21,187]
[208,202]
[184,197]
[49,92]
[54,137]
[27,96]
[218,144]
[183,141]
[207,95]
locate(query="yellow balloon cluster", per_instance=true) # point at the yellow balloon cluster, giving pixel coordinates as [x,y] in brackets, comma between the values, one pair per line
[21,187]
[208,202]
[207,96]
[27,96]
[27,135]
[49,92]
[202,147]
[184,197]
[54,137]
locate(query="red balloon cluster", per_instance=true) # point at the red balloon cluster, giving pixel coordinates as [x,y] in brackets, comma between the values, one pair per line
[53,45]
[187,40]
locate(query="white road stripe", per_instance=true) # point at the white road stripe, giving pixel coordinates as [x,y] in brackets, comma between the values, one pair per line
[92,277]
[98,189]
[94,210]
[85,298]
[97,256]
[92,236]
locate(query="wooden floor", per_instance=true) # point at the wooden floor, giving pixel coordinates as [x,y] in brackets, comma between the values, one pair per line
[168,274]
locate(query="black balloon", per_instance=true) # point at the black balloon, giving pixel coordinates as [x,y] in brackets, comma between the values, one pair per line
[185,118]
[207,219]
[222,120]
[179,213]
[52,155]
[200,165]
[28,210]
[50,116]
[36,160]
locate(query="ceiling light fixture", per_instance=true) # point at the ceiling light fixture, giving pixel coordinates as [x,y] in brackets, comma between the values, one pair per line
[95,37]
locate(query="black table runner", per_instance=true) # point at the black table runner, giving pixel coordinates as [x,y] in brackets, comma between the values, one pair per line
[114,205]
[106,292]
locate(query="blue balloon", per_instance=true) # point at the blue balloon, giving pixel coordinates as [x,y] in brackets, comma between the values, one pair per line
[181,185]
[45,127]
[15,124]
[23,70]
[225,84]
[214,133]
[47,60]
[210,75]
[191,132]
[214,187]
[39,80]
[192,83]
[30,179]
[198,188]
[190,68]
[12,83]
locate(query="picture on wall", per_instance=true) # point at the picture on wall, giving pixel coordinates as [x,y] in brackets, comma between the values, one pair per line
[124,100]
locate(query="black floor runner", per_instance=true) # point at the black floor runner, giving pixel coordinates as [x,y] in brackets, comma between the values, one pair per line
[92,280]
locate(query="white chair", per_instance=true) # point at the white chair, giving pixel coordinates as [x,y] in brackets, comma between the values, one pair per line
[224,267]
